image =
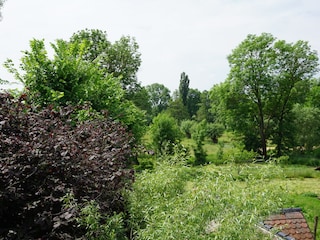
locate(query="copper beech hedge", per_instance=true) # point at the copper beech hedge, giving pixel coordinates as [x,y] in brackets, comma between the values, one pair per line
[46,154]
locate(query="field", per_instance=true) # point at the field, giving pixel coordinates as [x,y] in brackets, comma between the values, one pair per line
[224,201]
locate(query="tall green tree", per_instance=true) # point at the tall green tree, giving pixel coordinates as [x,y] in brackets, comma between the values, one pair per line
[142,100]
[184,88]
[204,107]
[159,96]
[263,79]
[193,101]
[177,110]
[295,65]
[121,58]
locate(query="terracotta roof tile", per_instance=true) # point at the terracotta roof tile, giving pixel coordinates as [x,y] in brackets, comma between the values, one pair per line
[291,225]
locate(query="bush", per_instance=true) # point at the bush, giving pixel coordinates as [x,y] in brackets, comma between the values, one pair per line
[199,133]
[186,127]
[165,133]
[214,131]
[44,155]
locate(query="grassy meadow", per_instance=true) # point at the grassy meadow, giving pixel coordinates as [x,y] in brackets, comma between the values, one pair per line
[221,200]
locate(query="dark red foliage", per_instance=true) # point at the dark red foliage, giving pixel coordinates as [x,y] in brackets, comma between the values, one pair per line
[44,155]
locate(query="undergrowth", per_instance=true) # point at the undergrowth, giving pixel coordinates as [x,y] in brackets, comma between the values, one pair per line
[180,202]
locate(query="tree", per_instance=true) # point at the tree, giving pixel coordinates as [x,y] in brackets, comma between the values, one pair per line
[159,97]
[186,127]
[313,98]
[307,126]
[193,101]
[177,110]
[122,58]
[295,65]
[69,79]
[203,112]
[184,88]
[142,100]
[165,133]
[198,135]
[214,131]
[263,80]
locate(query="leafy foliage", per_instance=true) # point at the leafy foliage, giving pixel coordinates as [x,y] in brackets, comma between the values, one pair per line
[69,79]
[177,110]
[44,155]
[264,80]
[307,126]
[184,88]
[186,127]
[204,106]
[193,102]
[1,5]
[120,58]
[159,97]
[198,134]
[178,202]
[99,226]
[214,131]
[165,133]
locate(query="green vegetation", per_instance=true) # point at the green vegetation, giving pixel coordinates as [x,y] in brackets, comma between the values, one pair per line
[218,202]
[69,142]
[165,133]
[174,202]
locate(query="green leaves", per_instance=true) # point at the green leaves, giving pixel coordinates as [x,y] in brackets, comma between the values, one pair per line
[121,58]
[176,202]
[159,97]
[74,76]
[165,132]
[264,76]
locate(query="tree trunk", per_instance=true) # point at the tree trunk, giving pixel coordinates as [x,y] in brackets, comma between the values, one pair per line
[262,130]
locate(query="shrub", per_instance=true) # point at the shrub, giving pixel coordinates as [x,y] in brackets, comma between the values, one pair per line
[186,127]
[214,131]
[44,155]
[165,133]
[199,133]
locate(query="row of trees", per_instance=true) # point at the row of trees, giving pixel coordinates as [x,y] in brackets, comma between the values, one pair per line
[267,79]
[269,98]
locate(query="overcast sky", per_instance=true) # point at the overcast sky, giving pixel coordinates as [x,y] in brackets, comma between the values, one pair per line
[175,36]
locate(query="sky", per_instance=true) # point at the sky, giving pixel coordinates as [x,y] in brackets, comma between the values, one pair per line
[174,36]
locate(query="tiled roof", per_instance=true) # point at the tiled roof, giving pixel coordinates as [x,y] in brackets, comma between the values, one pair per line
[290,224]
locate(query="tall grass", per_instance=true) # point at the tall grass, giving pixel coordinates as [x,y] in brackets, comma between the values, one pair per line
[179,202]
[300,171]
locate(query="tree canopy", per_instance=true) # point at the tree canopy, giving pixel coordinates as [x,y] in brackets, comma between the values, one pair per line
[264,79]
[159,97]
[184,87]
[121,58]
